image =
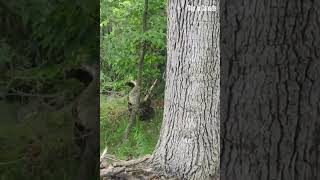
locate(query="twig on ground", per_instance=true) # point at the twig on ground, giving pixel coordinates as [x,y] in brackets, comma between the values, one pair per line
[103,153]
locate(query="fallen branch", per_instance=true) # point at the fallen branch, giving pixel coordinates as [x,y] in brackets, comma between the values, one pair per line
[127,173]
[112,158]
[126,169]
[133,162]
[110,171]
[107,160]
[149,94]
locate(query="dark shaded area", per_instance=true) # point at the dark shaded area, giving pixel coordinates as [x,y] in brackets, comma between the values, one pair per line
[80,75]
[270,90]
[49,89]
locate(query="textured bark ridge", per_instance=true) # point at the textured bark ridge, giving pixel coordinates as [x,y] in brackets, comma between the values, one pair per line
[270,90]
[189,143]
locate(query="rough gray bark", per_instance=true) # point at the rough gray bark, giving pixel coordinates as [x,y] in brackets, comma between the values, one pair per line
[270,90]
[189,143]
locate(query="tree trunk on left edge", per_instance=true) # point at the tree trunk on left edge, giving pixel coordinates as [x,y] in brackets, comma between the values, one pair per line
[86,112]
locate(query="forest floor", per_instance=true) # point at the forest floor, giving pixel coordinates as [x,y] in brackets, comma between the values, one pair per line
[126,159]
[28,142]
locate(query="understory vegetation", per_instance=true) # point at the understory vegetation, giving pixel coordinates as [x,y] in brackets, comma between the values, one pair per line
[30,146]
[121,37]
[114,119]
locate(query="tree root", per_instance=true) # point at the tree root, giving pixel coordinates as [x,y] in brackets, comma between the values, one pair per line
[133,162]
[133,169]
[137,169]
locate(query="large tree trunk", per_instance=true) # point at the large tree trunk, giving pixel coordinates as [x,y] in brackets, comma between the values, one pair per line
[189,143]
[270,90]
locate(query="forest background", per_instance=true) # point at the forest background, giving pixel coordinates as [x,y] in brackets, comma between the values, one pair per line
[121,34]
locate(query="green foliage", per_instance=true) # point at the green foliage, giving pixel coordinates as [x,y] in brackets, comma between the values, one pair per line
[41,40]
[48,38]
[122,35]
[61,25]
[114,120]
